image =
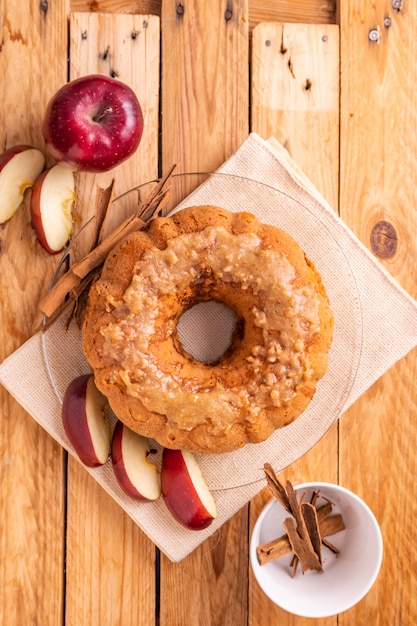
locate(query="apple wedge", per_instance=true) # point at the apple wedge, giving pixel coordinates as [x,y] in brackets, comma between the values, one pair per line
[185,490]
[52,199]
[84,421]
[20,166]
[138,477]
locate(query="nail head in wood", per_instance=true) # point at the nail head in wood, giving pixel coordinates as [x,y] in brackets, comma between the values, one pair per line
[374,35]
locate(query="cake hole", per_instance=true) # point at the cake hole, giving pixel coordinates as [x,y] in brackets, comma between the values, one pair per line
[206,330]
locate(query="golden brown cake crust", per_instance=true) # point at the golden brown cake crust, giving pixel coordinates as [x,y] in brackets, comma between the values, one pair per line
[279,351]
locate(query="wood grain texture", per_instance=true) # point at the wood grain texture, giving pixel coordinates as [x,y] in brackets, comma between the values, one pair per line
[110,571]
[214,580]
[31,469]
[204,84]
[378,148]
[143,7]
[303,12]
[295,96]
[284,58]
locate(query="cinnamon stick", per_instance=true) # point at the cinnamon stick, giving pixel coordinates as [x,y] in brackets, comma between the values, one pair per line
[301,547]
[305,530]
[104,200]
[279,547]
[302,531]
[276,488]
[309,514]
[331,525]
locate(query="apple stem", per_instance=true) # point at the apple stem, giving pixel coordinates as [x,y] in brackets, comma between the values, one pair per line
[99,116]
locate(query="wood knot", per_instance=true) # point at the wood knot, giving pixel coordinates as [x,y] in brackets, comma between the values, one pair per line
[384,240]
[179,9]
[228,14]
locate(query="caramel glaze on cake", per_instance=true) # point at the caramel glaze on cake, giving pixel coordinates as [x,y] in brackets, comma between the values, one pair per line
[279,351]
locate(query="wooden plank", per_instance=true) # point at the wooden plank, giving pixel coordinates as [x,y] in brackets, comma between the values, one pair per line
[295,96]
[300,119]
[126,47]
[304,12]
[210,586]
[31,476]
[110,569]
[204,119]
[110,561]
[205,84]
[143,7]
[378,148]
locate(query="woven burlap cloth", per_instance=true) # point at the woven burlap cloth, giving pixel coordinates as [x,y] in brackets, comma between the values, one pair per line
[375,326]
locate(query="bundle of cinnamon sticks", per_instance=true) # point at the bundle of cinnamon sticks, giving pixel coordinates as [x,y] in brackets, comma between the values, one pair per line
[307,528]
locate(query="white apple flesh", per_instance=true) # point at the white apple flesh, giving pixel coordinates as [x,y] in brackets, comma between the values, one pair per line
[52,199]
[185,491]
[139,478]
[84,421]
[19,168]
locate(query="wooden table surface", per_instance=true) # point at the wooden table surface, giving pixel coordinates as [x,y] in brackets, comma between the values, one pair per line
[336,84]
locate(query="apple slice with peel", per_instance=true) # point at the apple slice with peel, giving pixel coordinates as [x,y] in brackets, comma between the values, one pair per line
[84,421]
[185,490]
[52,199]
[138,477]
[20,166]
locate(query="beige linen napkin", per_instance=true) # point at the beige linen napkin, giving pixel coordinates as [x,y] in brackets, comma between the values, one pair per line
[375,326]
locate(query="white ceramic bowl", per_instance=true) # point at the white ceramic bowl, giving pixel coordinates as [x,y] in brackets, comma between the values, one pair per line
[345,579]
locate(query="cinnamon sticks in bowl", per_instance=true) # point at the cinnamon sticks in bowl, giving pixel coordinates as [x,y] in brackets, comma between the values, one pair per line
[307,528]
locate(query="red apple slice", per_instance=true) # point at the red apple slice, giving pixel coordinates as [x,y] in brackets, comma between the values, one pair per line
[53,196]
[185,490]
[138,477]
[19,168]
[84,421]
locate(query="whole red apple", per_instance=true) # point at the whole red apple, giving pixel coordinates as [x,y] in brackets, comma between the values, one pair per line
[93,123]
